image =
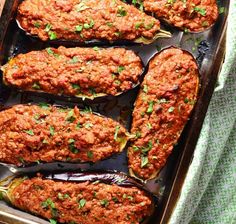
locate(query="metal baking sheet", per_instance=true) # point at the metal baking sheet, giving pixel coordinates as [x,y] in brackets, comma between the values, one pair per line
[207,47]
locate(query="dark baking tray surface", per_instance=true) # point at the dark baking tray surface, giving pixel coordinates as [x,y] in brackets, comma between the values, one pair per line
[207,47]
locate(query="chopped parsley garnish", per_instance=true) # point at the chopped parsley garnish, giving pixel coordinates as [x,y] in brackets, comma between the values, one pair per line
[96,48]
[44,105]
[115,199]
[48,203]
[149,126]
[72,147]
[149,26]
[138,134]
[145,88]
[81,7]
[51,52]
[109,24]
[37,24]
[120,69]
[75,86]
[36,86]
[82,203]
[147,148]
[90,154]
[51,129]
[78,126]
[150,107]
[74,60]
[52,35]
[52,221]
[88,125]
[48,27]
[144,161]
[117,128]
[201,11]
[29,132]
[104,202]
[79,28]
[121,11]
[221,10]
[135,148]
[70,116]
[89,25]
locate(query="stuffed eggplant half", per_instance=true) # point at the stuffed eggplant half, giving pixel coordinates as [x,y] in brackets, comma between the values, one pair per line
[80,72]
[31,133]
[83,20]
[81,198]
[188,15]
[163,106]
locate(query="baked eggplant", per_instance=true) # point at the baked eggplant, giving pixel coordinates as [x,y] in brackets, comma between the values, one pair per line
[162,108]
[81,198]
[80,72]
[32,133]
[81,21]
[188,15]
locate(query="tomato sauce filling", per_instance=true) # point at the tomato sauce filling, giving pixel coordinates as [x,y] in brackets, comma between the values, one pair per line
[163,106]
[69,202]
[80,72]
[30,133]
[189,15]
[85,20]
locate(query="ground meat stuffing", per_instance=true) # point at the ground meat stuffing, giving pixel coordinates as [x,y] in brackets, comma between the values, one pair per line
[30,133]
[189,15]
[69,202]
[165,101]
[85,20]
[81,72]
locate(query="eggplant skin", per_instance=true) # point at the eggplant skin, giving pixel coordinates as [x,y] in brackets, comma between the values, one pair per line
[82,201]
[162,109]
[85,20]
[79,72]
[32,133]
[193,16]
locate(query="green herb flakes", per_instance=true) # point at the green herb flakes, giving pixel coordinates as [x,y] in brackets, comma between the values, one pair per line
[121,11]
[201,11]
[82,203]
[104,202]
[29,132]
[150,107]
[144,161]
[90,154]
[117,128]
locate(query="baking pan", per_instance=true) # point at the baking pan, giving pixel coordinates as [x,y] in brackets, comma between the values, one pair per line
[208,49]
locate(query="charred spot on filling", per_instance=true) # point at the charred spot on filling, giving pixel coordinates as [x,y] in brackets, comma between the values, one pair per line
[87,202]
[163,106]
[81,72]
[85,20]
[31,133]
[193,16]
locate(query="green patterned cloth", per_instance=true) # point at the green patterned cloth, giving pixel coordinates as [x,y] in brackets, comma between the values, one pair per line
[208,195]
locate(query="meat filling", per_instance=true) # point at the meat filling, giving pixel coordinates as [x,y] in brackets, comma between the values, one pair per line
[82,72]
[85,20]
[189,15]
[30,133]
[163,106]
[69,202]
